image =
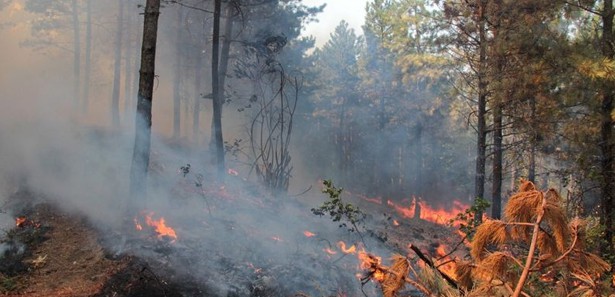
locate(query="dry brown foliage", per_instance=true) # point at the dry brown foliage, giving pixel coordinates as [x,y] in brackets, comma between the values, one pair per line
[535,237]
[533,250]
[394,280]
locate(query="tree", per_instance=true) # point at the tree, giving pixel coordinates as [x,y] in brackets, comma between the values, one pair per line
[218,141]
[143,125]
[337,62]
[115,97]
[88,57]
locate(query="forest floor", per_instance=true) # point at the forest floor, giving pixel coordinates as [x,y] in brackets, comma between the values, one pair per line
[51,253]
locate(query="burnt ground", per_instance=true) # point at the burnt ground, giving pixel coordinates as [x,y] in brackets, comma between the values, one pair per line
[53,253]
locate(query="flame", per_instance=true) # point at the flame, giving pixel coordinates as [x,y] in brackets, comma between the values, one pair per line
[330,251]
[277,238]
[429,213]
[160,226]
[351,250]
[19,221]
[446,264]
[232,172]
[308,234]
[440,251]
[372,264]
[395,223]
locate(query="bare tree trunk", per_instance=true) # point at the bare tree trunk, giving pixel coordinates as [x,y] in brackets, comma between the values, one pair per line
[176,76]
[215,87]
[127,64]
[76,54]
[198,77]
[531,175]
[224,59]
[496,188]
[143,121]
[479,186]
[606,135]
[117,67]
[88,57]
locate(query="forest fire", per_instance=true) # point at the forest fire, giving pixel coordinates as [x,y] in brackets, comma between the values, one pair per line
[372,264]
[446,263]
[159,226]
[428,213]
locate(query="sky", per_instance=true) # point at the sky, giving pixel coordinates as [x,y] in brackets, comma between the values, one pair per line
[352,11]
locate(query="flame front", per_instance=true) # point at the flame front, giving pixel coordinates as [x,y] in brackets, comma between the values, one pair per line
[429,213]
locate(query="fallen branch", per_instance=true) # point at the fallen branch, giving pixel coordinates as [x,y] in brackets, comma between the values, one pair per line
[430,263]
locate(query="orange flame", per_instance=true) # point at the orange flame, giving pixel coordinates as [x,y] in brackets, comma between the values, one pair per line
[429,213]
[19,221]
[330,251]
[233,172]
[308,234]
[372,264]
[160,226]
[395,223]
[351,250]
[447,264]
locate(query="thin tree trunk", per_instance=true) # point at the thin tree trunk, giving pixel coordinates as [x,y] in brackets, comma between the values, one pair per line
[88,57]
[176,76]
[224,59]
[117,67]
[127,65]
[606,134]
[143,121]
[215,87]
[76,55]
[496,188]
[531,175]
[479,189]
[198,77]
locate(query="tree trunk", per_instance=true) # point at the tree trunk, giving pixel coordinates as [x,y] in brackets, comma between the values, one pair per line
[215,87]
[176,76]
[76,54]
[479,185]
[224,59]
[117,67]
[88,57]
[496,189]
[606,134]
[143,121]
[127,65]
[531,175]
[198,77]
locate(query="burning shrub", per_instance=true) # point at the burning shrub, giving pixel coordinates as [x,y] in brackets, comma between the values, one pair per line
[534,251]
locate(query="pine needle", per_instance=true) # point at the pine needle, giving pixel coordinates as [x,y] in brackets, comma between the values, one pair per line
[488,233]
[395,279]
